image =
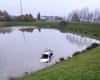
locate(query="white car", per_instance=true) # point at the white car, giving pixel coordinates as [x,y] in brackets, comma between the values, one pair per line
[46,56]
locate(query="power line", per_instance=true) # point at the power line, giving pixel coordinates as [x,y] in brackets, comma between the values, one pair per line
[21,7]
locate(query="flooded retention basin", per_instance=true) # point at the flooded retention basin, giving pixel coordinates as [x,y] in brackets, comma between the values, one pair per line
[21,48]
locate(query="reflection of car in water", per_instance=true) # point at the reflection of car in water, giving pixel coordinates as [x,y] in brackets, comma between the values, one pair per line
[46,56]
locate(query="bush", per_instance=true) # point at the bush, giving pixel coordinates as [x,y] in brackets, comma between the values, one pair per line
[12,78]
[56,62]
[62,59]
[85,32]
[76,53]
[63,24]
[83,51]
[68,57]
[95,34]
[94,45]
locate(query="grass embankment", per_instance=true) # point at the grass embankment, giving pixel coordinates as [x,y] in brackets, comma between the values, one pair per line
[36,23]
[85,29]
[85,66]
[7,24]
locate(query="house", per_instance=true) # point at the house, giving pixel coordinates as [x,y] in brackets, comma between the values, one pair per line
[3,15]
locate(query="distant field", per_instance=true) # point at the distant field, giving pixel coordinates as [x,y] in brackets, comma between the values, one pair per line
[85,66]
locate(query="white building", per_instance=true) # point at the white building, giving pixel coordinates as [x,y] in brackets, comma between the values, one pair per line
[47,17]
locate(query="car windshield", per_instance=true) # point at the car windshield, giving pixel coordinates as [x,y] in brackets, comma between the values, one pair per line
[44,56]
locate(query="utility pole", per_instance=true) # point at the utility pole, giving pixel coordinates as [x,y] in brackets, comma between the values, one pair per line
[21,7]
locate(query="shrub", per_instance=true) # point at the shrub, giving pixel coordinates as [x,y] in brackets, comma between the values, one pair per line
[94,45]
[76,53]
[56,62]
[95,34]
[62,59]
[83,51]
[68,57]
[12,78]
[85,32]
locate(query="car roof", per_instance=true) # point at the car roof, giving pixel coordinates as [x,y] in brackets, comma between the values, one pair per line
[48,53]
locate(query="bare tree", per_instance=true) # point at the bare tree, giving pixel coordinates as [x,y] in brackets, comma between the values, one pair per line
[75,17]
[96,15]
[90,17]
[84,14]
[69,17]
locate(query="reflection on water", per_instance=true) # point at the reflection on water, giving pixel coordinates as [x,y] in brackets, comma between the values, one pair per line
[5,30]
[21,49]
[27,30]
[80,40]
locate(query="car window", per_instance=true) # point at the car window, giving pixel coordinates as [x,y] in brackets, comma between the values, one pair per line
[44,56]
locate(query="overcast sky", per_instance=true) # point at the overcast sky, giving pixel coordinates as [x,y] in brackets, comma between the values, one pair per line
[47,7]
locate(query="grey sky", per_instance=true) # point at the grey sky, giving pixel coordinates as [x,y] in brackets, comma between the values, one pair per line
[47,7]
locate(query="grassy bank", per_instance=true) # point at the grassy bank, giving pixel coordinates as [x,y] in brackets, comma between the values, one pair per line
[85,29]
[82,67]
[7,24]
[36,23]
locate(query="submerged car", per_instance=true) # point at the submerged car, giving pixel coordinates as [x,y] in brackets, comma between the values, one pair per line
[46,56]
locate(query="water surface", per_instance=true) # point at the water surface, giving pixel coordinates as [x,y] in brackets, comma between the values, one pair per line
[21,48]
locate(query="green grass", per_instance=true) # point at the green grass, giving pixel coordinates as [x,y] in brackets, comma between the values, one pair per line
[7,24]
[85,29]
[85,26]
[36,23]
[85,66]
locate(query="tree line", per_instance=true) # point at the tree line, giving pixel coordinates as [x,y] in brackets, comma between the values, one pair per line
[84,15]
[4,16]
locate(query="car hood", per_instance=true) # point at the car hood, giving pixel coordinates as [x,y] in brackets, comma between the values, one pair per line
[44,60]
